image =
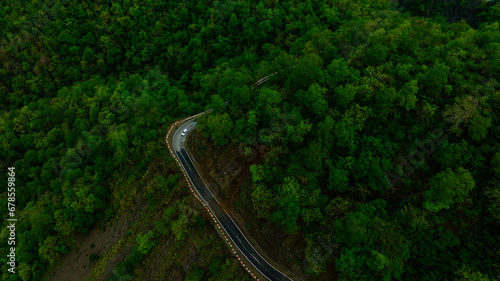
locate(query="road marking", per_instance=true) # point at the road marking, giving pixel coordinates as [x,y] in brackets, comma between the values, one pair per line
[202,200]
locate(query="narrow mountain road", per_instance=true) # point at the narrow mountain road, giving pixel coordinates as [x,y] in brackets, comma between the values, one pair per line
[229,227]
[223,221]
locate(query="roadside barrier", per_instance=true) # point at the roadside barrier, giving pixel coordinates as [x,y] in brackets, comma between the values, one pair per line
[202,202]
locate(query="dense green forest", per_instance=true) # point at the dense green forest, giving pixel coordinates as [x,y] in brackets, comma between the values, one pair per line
[382,135]
[475,12]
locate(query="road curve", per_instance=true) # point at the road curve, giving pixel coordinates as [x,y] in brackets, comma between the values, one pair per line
[225,221]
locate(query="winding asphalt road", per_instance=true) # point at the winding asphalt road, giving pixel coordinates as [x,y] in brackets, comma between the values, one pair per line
[230,227]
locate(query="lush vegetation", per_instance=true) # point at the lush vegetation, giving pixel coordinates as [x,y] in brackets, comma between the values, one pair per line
[476,13]
[383,135]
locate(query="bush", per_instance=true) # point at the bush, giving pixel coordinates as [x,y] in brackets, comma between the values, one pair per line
[200,221]
[93,257]
[196,275]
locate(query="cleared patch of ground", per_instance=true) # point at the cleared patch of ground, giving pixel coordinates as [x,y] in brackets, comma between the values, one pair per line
[227,173]
[76,264]
[142,201]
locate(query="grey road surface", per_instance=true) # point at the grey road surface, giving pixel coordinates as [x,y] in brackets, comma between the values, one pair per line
[229,226]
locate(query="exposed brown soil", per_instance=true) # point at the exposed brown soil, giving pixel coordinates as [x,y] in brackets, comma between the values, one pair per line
[169,260]
[227,173]
[76,264]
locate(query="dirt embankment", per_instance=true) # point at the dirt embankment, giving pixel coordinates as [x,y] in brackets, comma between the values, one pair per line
[227,172]
[169,259]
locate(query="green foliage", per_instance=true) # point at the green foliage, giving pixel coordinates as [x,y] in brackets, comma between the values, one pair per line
[307,71]
[408,93]
[263,200]
[338,180]
[217,103]
[447,188]
[146,242]
[287,214]
[219,126]
[352,229]
[493,195]
[214,267]
[371,240]
[495,164]
[479,127]
[196,275]
[476,13]
[49,249]
[296,133]
[362,85]
[180,226]
[378,261]
[93,257]
[162,226]
[468,273]
[71,164]
[200,221]
[257,173]
[314,100]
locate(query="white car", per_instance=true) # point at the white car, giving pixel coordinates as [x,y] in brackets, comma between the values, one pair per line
[184,132]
